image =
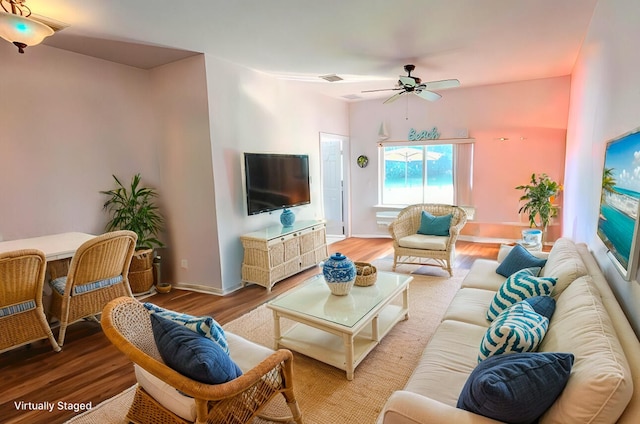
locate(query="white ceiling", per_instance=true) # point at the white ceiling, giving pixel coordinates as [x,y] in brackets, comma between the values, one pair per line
[366,42]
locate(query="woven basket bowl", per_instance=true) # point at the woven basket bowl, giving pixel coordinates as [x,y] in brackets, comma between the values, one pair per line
[341,289]
[366,274]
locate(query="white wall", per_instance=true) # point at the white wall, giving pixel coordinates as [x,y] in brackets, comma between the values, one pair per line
[67,123]
[71,121]
[605,103]
[536,110]
[253,112]
[186,173]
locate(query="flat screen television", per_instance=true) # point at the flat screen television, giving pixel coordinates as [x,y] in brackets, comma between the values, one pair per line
[620,202]
[276,181]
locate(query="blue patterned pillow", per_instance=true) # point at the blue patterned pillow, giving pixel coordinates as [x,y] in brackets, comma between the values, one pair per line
[205,326]
[432,225]
[191,354]
[517,259]
[519,286]
[517,329]
[516,388]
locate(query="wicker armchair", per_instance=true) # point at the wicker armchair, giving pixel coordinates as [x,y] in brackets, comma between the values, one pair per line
[410,247]
[22,317]
[127,324]
[97,274]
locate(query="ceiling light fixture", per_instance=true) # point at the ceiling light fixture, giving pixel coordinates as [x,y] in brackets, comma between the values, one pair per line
[16,27]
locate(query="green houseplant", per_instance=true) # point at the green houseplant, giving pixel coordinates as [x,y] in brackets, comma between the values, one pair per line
[134,208]
[538,200]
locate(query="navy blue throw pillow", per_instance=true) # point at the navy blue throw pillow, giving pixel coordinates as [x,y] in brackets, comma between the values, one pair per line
[191,354]
[516,388]
[519,258]
[543,305]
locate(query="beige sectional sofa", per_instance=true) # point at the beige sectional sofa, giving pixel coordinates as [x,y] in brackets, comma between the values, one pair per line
[604,384]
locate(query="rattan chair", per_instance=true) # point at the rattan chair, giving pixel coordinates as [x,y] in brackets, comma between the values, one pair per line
[127,324]
[97,274]
[22,317]
[412,248]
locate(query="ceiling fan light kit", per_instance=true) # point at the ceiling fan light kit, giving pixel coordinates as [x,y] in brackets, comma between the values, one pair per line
[18,28]
[410,84]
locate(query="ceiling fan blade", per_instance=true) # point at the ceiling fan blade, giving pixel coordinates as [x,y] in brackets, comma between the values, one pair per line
[382,89]
[428,95]
[439,85]
[407,81]
[394,97]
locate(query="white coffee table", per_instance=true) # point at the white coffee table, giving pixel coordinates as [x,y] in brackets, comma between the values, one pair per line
[340,330]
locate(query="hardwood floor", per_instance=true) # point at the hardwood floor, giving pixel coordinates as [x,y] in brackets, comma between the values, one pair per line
[90,369]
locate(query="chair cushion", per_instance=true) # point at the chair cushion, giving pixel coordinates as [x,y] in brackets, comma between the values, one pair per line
[517,287]
[191,354]
[423,242]
[60,283]
[431,225]
[516,388]
[17,308]
[517,329]
[517,259]
[205,326]
[166,395]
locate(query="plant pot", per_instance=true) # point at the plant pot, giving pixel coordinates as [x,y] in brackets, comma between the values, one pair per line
[141,271]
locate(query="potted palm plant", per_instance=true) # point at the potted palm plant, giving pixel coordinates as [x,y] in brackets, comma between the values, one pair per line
[538,200]
[133,208]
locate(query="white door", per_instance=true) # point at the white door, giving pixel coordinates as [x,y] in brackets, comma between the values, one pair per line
[333,182]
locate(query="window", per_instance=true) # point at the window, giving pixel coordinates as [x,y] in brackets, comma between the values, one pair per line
[426,173]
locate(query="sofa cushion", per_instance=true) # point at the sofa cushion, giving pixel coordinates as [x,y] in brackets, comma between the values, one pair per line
[482,275]
[431,225]
[470,305]
[519,258]
[543,305]
[516,388]
[517,329]
[421,241]
[564,264]
[446,362]
[601,385]
[519,286]
[191,354]
[205,326]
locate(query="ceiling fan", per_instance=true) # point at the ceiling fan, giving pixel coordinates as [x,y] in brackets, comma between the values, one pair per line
[411,84]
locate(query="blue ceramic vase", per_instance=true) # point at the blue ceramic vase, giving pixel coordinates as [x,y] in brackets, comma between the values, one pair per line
[339,269]
[287,218]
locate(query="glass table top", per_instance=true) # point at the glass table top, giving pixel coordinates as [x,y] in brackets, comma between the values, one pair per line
[313,298]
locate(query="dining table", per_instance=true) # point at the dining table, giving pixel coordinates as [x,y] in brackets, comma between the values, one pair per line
[54,246]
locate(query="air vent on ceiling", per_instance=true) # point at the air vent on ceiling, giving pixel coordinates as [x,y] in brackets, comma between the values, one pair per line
[331,78]
[352,97]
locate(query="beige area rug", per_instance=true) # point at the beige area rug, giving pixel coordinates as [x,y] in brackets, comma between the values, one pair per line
[324,394]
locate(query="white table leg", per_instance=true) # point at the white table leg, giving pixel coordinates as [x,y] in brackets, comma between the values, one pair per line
[405,301]
[348,348]
[375,335]
[276,330]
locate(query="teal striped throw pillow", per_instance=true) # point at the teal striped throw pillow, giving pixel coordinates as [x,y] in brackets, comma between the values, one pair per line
[519,286]
[517,329]
[205,326]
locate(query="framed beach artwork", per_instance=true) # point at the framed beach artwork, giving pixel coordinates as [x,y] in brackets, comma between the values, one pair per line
[619,202]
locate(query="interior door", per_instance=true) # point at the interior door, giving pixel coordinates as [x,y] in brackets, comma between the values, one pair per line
[333,176]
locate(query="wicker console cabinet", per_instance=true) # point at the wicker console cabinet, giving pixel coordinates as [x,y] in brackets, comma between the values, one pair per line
[277,252]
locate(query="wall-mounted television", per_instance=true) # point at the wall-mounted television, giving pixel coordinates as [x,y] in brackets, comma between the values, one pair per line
[276,181]
[619,202]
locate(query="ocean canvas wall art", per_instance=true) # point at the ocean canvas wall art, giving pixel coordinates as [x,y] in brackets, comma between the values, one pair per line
[620,200]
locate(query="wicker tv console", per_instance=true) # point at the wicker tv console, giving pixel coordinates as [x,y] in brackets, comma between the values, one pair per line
[277,252]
